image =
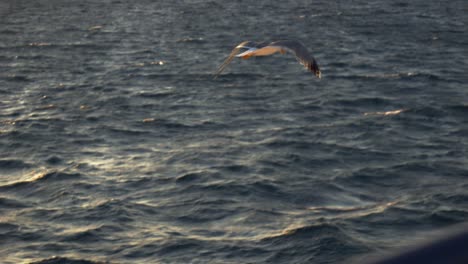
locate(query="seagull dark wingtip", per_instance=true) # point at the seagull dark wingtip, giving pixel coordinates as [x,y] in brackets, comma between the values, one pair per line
[318,74]
[315,69]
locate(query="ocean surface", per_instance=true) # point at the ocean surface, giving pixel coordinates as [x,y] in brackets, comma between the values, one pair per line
[118,146]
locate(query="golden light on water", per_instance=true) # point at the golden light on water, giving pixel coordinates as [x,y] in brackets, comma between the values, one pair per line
[386,113]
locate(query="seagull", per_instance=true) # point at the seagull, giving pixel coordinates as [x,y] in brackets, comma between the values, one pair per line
[251,48]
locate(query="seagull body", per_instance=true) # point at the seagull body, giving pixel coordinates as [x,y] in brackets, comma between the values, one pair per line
[249,49]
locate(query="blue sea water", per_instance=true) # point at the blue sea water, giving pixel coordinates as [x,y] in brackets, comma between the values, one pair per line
[118,146]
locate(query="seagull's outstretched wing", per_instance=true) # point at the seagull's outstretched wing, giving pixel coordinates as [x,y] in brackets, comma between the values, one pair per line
[301,53]
[231,56]
[246,45]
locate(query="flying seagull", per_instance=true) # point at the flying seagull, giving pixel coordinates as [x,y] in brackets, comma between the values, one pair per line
[250,48]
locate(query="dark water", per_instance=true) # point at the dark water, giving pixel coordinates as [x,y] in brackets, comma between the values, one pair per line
[116,145]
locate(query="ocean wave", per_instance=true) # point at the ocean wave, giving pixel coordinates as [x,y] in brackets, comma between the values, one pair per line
[156,95]
[191,177]
[313,230]
[8,164]
[313,243]
[459,110]
[366,102]
[386,113]
[62,260]
[34,178]
[390,76]
[9,203]
[115,210]
[18,78]
[8,229]
[198,40]
[125,131]
[91,234]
